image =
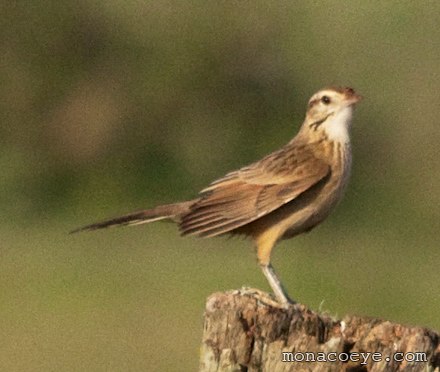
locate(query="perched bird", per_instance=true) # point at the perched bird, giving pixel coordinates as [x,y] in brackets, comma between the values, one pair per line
[286,193]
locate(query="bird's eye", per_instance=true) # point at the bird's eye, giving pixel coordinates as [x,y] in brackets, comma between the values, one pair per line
[325,100]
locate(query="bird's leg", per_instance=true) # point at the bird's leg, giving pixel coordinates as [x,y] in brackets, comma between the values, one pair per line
[265,243]
[276,285]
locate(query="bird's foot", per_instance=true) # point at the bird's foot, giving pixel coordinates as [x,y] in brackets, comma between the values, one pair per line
[265,298]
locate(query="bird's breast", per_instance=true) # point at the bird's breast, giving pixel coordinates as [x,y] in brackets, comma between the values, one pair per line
[313,207]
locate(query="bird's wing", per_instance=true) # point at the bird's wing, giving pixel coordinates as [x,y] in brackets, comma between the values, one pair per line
[247,194]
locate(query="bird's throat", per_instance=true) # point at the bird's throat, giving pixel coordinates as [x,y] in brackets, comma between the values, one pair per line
[337,126]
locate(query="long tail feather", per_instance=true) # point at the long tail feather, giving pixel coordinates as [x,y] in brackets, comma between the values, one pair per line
[169,211]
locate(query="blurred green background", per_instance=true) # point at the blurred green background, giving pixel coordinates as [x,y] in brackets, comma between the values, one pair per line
[109,107]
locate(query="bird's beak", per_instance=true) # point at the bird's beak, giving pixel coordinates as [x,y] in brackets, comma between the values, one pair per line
[352,97]
[356,98]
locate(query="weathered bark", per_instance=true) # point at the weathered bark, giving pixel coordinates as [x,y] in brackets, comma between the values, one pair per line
[242,332]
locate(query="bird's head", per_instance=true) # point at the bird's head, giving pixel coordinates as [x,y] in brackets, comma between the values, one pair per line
[330,110]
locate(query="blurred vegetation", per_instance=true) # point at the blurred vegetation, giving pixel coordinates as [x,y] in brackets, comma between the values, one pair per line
[112,106]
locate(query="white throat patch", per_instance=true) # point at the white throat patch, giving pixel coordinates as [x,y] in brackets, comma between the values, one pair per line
[338,126]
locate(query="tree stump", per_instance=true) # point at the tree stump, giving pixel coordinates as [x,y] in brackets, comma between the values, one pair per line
[243,332]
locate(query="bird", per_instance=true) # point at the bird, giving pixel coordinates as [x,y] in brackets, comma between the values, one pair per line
[286,193]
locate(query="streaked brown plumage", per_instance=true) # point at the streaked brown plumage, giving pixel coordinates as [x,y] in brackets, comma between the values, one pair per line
[286,193]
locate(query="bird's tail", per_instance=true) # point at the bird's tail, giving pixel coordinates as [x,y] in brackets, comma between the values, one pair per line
[161,212]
